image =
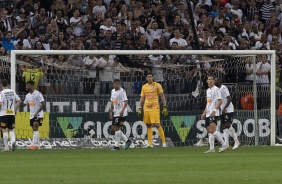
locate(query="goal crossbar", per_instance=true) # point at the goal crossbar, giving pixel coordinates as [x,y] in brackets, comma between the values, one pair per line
[161,52]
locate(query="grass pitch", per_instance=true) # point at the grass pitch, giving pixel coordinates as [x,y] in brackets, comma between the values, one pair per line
[254,165]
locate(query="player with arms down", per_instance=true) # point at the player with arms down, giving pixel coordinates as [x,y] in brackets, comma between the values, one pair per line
[151,91]
[9,104]
[118,113]
[211,114]
[226,117]
[36,103]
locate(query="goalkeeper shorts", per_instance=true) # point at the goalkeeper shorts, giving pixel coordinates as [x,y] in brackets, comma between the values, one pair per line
[151,117]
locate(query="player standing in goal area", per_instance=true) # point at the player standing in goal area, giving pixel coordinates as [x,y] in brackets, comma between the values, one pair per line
[118,113]
[226,117]
[9,104]
[150,93]
[211,115]
[36,103]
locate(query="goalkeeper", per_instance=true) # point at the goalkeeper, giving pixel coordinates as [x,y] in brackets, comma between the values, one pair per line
[150,100]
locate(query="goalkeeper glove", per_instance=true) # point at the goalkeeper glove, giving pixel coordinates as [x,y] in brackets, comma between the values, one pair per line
[165,111]
[139,112]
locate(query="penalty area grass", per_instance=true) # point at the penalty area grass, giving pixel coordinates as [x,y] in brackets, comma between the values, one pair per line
[258,165]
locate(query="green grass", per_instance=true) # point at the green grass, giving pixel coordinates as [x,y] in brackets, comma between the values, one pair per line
[168,165]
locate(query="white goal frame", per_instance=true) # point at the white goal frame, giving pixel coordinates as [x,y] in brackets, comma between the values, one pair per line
[164,52]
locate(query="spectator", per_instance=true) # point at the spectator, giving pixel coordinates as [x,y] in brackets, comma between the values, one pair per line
[252,10]
[74,74]
[41,21]
[26,44]
[255,20]
[274,35]
[250,71]
[107,26]
[263,42]
[236,11]
[265,9]
[263,67]
[90,63]
[108,40]
[105,74]
[77,23]
[153,32]
[177,38]
[99,7]
[8,39]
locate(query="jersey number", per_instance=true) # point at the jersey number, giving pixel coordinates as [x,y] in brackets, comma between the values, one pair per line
[9,105]
[32,77]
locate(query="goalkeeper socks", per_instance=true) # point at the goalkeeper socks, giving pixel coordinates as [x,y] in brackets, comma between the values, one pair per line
[233,134]
[162,135]
[36,138]
[150,136]
[13,137]
[211,141]
[219,138]
[5,138]
[123,136]
[117,136]
[226,136]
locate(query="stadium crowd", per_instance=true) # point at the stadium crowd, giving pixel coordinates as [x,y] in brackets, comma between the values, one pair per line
[136,25]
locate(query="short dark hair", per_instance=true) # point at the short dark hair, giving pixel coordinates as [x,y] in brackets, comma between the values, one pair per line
[4,83]
[210,75]
[117,80]
[150,73]
[30,82]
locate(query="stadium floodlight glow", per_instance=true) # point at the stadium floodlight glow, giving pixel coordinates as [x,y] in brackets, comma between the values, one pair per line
[14,53]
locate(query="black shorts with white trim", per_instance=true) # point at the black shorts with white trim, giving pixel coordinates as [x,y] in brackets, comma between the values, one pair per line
[210,120]
[226,118]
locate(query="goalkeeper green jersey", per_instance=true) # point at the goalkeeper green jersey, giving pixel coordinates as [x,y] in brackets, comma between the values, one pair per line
[33,75]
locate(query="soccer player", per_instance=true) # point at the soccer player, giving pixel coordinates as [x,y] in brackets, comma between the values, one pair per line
[211,115]
[36,104]
[226,116]
[33,75]
[150,93]
[118,113]
[9,104]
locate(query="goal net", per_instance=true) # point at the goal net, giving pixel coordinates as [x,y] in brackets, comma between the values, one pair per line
[77,85]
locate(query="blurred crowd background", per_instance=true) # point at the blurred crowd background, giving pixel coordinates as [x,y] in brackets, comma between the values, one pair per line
[138,25]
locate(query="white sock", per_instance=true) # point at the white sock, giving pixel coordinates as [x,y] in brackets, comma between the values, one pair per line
[226,136]
[123,136]
[117,136]
[233,134]
[5,138]
[36,137]
[211,141]
[219,138]
[13,136]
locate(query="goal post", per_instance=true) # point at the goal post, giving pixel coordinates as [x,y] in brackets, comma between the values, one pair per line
[254,53]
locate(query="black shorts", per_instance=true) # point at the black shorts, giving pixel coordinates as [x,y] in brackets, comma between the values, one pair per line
[7,121]
[118,121]
[39,120]
[226,118]
[210,120]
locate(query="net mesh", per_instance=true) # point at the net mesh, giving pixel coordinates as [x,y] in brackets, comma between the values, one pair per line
[77,88]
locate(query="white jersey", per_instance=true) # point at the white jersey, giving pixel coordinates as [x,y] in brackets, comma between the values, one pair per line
[264,68]
[34,101]
[224,94]
[8,98]
[118,97]
[250,77]
[213,95]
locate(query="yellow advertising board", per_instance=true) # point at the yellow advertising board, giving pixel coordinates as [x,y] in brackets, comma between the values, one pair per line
[24,130]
